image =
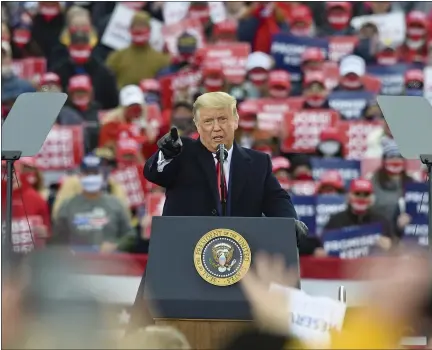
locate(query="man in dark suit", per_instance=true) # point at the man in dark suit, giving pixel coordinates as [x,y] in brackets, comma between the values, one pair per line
[188,168]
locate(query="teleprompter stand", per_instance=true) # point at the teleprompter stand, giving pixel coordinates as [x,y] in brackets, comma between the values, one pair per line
[410,121]
[23,134]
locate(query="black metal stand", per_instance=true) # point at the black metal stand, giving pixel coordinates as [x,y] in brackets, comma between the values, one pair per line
[427,160]
[10,157]
[223,189]
[221,156]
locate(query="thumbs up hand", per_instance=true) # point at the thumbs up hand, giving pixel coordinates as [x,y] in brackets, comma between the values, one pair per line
[170,144]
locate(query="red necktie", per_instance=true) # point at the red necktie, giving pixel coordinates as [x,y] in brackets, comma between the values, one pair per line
[219,180]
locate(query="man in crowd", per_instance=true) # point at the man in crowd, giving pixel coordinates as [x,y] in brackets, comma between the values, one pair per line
[92,218]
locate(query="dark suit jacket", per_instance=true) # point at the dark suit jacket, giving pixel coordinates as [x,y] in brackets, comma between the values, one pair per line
[191,185]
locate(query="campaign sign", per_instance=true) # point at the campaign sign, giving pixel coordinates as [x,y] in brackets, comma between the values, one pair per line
[29,68]
[232,57]
[351,242]
[391,77]
[304,127]
[340,46]
[303,187]
[24,237]
[287,50]
[417,232]
[132,180]
[63,149]
[274,105]
[416,199]
[327,205]
[354,136]
[174,84]
[349,169]
[413,92]
[350,104]
[305,208]
[154,204]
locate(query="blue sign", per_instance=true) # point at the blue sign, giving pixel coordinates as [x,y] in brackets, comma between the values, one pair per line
[305,208]
[416,199]
[349,169]
[351,242]
[287,50]
[351,104]
[413,92]
[392,77]
[416,232]
[327,205]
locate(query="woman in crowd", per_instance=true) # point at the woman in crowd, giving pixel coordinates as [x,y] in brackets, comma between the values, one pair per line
[389,180]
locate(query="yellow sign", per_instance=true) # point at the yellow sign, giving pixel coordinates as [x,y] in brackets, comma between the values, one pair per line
[222,257]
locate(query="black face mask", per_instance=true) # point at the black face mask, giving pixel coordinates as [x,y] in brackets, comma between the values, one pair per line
[183,124]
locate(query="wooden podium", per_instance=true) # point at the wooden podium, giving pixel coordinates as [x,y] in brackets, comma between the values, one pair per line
[206,334]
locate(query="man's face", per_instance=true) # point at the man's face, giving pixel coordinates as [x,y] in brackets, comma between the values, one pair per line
[216,126]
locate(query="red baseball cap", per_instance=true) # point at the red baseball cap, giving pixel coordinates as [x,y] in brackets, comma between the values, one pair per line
[80,82]
[361,185]
[279,78]
[332,178]
[279,163]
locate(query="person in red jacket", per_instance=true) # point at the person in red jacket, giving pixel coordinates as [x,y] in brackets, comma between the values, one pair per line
[30,215]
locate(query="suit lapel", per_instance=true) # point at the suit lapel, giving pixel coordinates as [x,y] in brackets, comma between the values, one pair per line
[206,162]
[239,172]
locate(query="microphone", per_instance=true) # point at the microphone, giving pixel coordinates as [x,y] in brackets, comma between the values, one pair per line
[221,153]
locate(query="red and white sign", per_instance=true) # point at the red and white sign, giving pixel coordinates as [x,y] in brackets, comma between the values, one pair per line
[24,238]
[181,82]
[331,74]
[303,129]
[30,68]
[303,188]
[154,204]
[272,105]
[340,46]
[132,180]
[191,26]
[233,58]
[354,137]
[63,149]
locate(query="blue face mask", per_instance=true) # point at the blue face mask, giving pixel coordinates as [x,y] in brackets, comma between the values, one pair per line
[92,183]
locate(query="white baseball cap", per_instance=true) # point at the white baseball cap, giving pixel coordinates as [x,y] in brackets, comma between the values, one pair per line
[131,94]
[259,59]
[352,64]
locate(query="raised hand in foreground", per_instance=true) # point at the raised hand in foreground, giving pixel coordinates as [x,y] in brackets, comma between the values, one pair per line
[270,308]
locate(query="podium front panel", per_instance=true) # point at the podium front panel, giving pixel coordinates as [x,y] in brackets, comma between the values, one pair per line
[172,283]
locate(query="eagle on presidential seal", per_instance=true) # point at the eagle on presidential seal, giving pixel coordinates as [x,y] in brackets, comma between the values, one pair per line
[222,254]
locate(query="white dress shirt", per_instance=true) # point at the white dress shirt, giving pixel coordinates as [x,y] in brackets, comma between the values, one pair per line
[162,162]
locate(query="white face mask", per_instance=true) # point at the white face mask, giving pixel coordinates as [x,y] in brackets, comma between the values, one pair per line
[92,183]
[329,148]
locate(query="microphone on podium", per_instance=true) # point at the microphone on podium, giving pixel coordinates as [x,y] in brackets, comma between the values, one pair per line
[221,153]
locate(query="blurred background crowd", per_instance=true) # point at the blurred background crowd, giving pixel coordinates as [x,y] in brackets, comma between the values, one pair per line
[305,75]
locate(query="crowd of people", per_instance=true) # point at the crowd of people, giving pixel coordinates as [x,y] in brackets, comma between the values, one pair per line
[129,79]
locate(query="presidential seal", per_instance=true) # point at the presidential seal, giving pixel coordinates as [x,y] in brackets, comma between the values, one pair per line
[222,257]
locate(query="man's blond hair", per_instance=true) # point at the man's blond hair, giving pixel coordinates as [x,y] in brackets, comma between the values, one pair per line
[156,337]
[217,100]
